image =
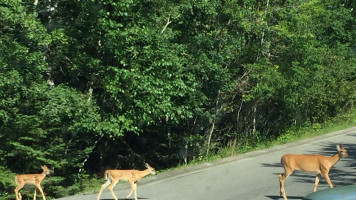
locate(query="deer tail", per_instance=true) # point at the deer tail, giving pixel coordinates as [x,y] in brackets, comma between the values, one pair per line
[106,174]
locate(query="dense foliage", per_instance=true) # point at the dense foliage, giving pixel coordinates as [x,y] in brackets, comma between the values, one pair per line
[96,84]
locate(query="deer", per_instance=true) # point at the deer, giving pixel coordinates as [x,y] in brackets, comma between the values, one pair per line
[33,179]
[133,176]
[318,164]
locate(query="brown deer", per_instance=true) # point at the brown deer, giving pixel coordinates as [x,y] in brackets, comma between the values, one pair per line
[318,164]
[34,179]
[113,176]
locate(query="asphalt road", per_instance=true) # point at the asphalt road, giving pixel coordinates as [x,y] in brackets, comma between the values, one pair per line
[252,175]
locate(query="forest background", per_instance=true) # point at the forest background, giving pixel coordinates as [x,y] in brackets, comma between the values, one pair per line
[88,85]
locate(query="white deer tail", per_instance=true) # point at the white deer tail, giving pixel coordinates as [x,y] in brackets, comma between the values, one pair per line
[107,177]
[106,174]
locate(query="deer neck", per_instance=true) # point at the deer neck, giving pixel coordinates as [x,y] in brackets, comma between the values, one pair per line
[334,159]
[42,175]
[144,173]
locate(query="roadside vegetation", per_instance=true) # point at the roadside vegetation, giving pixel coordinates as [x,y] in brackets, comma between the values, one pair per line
[97,84]
[340,122]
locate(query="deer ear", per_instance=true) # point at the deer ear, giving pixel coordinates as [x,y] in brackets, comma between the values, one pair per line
[147,165]
[338,147]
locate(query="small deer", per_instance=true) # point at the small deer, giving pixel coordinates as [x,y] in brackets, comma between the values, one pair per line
[309,163]
[34,179]
[113,176]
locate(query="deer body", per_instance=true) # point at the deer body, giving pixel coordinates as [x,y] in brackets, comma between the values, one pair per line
[318,164]
[113,176]
[309,163]
[34,179]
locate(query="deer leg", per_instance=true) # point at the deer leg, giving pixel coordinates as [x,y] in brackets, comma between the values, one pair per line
[103,187]
[34,195]
[327,179]
[111,186]
[136,191]
[316,181]
[17,193]
[132,184]
[282,178]
[40,189]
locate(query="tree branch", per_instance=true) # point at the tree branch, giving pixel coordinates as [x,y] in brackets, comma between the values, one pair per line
[165,26]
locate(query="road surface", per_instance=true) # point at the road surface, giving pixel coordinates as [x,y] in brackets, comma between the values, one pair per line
[251,176]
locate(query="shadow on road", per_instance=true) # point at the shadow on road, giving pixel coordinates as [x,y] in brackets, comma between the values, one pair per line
[125,199]
[342,174]
[274,165]
[280,197]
